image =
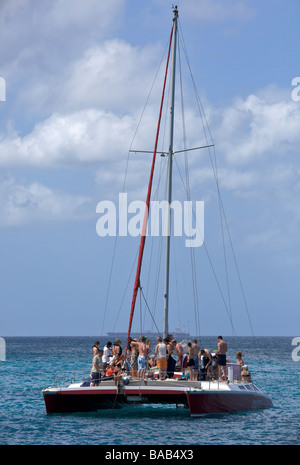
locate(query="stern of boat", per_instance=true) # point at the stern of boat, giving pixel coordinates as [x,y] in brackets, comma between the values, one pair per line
[226,398]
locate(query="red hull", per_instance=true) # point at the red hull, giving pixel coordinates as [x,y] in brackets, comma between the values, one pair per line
[74,400]
[200,402]
[203,403]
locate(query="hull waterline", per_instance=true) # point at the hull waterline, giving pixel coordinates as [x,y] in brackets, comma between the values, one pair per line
[201,399]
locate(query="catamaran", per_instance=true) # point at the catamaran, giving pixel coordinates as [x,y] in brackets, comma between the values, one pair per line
[200,396]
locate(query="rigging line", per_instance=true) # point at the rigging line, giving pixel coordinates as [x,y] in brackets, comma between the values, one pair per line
[158,261]
[163,165]
[210,261]
[141,290]
[143,238]
[155,196]
[221,206]
[238,273]
[124,294]
[192,252]
[176,281]
[215,170]
[124,183]
[147,100]
[161,171]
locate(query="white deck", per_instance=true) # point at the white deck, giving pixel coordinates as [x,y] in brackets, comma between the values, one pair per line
[161,385]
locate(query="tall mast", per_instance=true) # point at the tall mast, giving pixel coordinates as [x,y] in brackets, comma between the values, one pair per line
[169,179]
[145,221]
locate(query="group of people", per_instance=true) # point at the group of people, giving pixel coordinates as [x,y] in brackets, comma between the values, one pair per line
[195,362]
[213,366]
[108,362]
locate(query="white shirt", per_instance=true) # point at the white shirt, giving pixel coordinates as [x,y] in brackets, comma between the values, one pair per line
[106,354]
[161,350]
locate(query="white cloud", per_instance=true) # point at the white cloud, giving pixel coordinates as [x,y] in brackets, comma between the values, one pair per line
[49,32]
[257,127]
[113,75]
[42,42]
[26,204]
[61,140]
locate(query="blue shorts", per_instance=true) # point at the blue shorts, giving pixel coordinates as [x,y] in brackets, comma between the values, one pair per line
[196,362]
[96,377]
[142,362]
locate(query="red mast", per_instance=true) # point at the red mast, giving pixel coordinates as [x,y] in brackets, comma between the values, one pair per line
[145,221]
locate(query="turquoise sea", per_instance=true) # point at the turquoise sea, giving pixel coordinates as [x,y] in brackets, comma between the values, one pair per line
[34,362]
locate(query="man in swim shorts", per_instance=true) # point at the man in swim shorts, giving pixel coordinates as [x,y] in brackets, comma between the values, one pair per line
[161,354]
[221,357]
[134,358]
[142,358]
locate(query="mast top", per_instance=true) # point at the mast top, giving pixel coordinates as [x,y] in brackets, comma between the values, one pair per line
[175,11]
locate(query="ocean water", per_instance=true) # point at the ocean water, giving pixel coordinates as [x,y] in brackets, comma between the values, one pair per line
[33,363]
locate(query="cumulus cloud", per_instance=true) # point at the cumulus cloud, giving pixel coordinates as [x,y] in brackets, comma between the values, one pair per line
[42,41]
[45,34]
[27,204]
[255,127]
[113,75]
[75,94]
[62,140]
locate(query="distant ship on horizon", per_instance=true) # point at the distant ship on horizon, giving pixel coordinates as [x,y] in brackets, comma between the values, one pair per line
[178,333]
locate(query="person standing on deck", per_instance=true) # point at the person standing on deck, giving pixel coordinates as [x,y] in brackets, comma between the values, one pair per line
[221,357]
[179,351]
[134,358]
[97,367]
[96,348]
[190,363]
[171,360]
[142,358]
[196,366]
[106,354]
[207,362]
[161,355]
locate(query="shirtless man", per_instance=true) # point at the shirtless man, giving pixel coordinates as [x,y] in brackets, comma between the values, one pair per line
[134,358]
[96,348]
[179,351]
[142,358]
[196,350]
[221,357]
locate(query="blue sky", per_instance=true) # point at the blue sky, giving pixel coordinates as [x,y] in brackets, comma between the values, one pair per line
[77,77]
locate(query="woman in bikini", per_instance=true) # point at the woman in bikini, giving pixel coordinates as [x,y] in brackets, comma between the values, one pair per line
[246,375]
[117,367]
